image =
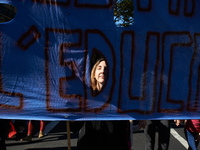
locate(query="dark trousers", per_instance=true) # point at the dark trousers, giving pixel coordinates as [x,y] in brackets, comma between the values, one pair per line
[163,128]
[104,135]
[4,124]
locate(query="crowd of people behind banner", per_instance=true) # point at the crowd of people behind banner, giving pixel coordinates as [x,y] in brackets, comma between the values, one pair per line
[18,130]
[111,135]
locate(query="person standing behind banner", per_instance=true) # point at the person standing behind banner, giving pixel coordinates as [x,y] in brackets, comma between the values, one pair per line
[4,124]
[192,132]
[12,131]
[31,124]
[163,127]
[103,135]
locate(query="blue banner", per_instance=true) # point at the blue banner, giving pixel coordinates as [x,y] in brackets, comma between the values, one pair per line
[48,50]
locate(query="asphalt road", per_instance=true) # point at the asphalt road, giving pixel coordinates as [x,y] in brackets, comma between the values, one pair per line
[56,139]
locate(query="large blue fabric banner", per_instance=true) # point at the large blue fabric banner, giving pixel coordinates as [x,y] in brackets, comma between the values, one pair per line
[152,66]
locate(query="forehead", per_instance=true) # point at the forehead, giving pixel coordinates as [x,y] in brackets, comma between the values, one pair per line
[102,63]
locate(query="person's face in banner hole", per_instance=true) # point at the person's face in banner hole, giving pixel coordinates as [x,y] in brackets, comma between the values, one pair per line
[98,75]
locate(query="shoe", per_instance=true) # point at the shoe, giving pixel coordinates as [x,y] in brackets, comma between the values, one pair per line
[12,135]
[41,134]
[28,138]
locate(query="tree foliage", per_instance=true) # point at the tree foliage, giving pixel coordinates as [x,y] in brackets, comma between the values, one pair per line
[123,13]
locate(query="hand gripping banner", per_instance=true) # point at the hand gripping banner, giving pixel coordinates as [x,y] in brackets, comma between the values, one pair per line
[148,69]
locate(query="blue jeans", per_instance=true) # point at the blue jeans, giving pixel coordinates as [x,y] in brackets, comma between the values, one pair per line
[190,136]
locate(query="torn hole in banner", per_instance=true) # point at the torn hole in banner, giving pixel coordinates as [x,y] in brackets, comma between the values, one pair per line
[123,13]
[99,72]
[7,12]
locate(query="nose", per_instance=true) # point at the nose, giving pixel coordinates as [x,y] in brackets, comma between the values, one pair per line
[104,70]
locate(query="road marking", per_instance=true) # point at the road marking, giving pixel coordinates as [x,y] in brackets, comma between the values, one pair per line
[179,138]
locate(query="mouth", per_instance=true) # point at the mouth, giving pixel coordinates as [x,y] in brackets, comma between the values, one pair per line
[101,76]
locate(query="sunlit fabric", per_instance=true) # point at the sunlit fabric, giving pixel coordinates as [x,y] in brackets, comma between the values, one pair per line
[47,51]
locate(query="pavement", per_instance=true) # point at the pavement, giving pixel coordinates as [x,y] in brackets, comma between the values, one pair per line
[56,139]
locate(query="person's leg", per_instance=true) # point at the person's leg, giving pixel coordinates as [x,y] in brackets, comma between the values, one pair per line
[29,132]
[149,132]
[2,144]
[191,140]
[4,124]
[164,134]
[30,128]
[87,138]
[42,126]
[12,131]
[196,142]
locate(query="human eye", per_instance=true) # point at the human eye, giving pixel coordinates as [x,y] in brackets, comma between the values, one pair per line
[99,67]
